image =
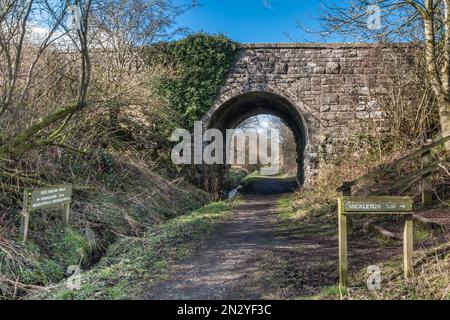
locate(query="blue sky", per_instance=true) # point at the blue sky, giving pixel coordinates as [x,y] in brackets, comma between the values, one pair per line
[254,20]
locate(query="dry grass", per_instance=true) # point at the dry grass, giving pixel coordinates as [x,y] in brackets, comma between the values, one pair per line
[317,203]
[431,280]
[122,187]
[124,203]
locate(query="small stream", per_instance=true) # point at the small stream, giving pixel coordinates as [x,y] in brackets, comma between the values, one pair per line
[233,193]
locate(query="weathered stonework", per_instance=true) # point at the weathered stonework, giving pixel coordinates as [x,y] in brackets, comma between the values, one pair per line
[330,86]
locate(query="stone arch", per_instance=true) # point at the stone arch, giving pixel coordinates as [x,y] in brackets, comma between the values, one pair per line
[234,107]
[304,111]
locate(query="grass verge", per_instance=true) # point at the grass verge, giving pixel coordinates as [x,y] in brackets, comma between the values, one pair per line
[254,176]
[134,265]
[303,214]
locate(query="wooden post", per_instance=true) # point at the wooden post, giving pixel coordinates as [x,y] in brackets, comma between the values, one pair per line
[347,192]
[427,194]
[342,221]
[25,219]
[408,246]
[66,212]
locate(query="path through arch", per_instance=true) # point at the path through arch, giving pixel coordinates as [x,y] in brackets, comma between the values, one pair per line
[232,112]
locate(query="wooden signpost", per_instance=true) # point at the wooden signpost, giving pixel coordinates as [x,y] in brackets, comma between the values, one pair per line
[34,199]
[348,205]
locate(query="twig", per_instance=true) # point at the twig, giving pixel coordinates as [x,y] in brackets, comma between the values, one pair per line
[445,295]
[440,200]
[70,148]
[22,285]
[444,168]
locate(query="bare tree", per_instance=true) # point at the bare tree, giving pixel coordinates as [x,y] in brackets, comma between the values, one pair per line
[124,29]
[423,21]
[49,72]
[31,35]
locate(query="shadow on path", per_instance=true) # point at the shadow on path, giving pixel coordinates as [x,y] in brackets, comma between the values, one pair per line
[257,255]
[245,256]
[269,186]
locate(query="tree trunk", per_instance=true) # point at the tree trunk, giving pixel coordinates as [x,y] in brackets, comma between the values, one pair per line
[439,80]
[444,112]
[24,141]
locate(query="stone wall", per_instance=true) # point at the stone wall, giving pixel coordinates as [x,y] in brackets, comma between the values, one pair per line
[333,86]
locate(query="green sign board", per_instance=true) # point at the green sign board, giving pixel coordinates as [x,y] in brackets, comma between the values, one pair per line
[46,197]
[43,198]
[348,205]
[377,204]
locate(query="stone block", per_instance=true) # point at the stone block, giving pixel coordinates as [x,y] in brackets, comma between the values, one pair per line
[304,84]
[281,68]
[333,68]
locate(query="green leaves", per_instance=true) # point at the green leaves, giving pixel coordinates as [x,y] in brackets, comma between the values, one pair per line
[202,62]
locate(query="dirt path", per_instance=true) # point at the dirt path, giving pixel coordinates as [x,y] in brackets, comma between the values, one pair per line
[256,255]
[222,266]
[245,257]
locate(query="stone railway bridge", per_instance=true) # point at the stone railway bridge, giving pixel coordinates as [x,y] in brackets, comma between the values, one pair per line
[323,92]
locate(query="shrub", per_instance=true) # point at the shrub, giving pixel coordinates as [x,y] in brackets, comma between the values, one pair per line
[67,246]
[203,62]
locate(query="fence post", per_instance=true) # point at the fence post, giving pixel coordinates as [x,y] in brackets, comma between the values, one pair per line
[426,183]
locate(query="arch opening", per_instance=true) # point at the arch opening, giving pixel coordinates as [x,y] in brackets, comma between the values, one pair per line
[235,111]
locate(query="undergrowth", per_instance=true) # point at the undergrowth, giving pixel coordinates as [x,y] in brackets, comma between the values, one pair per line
[430,280]
[134,264]
[316,204]
[98,219]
